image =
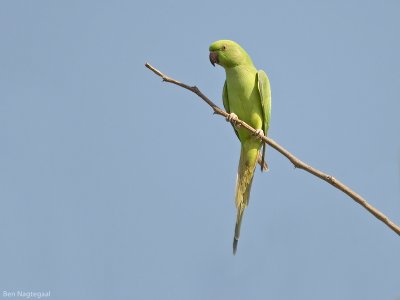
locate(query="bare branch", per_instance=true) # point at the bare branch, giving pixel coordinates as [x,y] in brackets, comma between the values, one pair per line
[294,160]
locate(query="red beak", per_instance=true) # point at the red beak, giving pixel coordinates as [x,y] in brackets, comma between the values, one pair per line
[214,58]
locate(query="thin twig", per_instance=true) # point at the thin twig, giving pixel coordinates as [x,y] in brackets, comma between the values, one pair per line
[294,160]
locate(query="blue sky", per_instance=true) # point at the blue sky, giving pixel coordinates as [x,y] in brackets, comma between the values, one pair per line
[116,185]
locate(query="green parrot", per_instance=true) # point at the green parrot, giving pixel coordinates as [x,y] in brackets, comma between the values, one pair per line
[246,95]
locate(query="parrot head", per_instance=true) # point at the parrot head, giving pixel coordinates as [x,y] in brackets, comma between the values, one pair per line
[228,54]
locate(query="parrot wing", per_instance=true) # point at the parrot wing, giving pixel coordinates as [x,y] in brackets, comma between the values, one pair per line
[265,96]
[225,101]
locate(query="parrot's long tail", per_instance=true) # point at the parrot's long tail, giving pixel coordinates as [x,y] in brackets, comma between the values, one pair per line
[247,164]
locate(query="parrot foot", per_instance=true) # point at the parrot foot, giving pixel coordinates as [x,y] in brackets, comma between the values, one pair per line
[259,134]
[232,118]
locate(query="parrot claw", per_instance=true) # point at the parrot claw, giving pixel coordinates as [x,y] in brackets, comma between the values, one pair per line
[259,134]
[232,118]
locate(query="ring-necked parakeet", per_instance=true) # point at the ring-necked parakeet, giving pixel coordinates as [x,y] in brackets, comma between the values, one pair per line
[246,95]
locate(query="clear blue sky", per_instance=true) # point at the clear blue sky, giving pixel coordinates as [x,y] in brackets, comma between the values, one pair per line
[114,185]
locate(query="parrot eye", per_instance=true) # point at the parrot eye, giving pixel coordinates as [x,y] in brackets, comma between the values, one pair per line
[223,48]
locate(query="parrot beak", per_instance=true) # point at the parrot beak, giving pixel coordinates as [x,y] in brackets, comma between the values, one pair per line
[214,58]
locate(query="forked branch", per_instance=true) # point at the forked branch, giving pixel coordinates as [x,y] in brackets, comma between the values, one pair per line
[294,160]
